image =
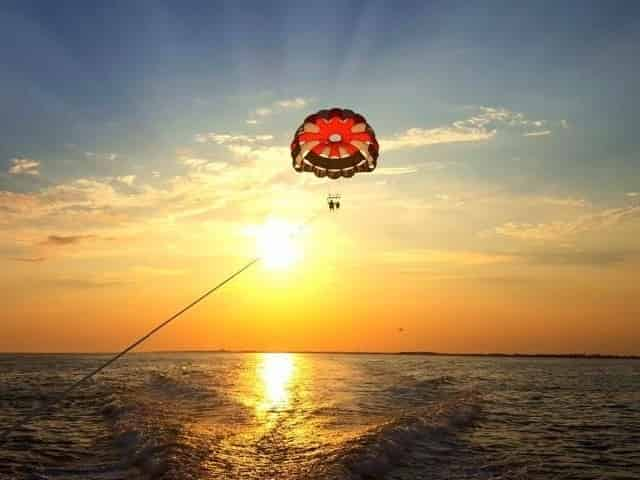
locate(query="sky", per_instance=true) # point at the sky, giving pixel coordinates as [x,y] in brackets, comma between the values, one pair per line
[142,145]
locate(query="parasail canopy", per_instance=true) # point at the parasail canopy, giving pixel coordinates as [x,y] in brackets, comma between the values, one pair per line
[334,143]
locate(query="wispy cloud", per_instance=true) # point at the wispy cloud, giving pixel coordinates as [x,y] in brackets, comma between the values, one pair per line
[395,170]
[279,106]
[426,260]
[88,282]
[529,231]
[127,179]
[540,133]
[197,163]
[192,162]
[593,258]
[263,111]
[229,139]
[420,137]
[59,240]
[24,166]
[561,229]
[297,102]
[262,153]
[632,194]
[224,190]
[480,127]
[252,147]
[447,257]
[562,201]
[28,259]
[90,155]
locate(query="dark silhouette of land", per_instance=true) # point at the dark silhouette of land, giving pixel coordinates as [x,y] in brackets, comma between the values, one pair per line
[338,352]
[426,354]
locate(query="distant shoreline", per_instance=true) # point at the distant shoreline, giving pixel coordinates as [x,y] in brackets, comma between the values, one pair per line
[586,356]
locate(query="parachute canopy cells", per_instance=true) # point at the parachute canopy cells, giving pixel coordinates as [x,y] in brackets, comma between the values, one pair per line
[334,143]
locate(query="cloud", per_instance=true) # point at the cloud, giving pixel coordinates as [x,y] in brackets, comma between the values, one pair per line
[297,102]
[563,201]
[632,194]
[85,283]
[24,166]
[580,258]
[28,259]
[58,240]
[89,155]
[395,170]
[529,231]
[419,137]
[263,112]
[250,147]
[427,260]
[192,162]
[446,257]
[537,134]
[103,204]
[214,194]
[229,139]
[215,166]
[127,179]
[200,164]
[262,153]
[279,106]
[560,229]
[477,128]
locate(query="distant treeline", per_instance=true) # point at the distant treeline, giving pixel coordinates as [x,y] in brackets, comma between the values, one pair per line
[426,354]
[431,354]
[527,355]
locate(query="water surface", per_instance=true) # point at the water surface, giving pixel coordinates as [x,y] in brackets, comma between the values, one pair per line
[323,416]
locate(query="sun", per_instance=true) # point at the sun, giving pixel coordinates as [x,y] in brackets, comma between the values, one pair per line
[277,244]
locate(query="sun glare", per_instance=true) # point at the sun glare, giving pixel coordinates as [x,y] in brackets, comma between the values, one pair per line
[277,244]
[275,374]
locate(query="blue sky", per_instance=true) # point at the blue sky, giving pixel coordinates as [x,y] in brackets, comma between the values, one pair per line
[140,77]
[508,137]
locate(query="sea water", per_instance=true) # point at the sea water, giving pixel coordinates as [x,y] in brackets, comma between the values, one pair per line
[322,416]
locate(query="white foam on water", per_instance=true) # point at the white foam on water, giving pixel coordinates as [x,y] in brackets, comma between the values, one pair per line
[386,446]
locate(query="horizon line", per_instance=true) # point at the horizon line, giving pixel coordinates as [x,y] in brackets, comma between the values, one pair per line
[352,352]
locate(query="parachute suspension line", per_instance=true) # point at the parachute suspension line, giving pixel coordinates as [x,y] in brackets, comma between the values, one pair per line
[61,396]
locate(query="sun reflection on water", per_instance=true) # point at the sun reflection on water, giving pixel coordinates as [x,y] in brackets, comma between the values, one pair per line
[275,372]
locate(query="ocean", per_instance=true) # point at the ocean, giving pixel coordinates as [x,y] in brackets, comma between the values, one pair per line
[323,416]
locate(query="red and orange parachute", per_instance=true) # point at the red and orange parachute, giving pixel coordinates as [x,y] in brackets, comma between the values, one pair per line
[335,143]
